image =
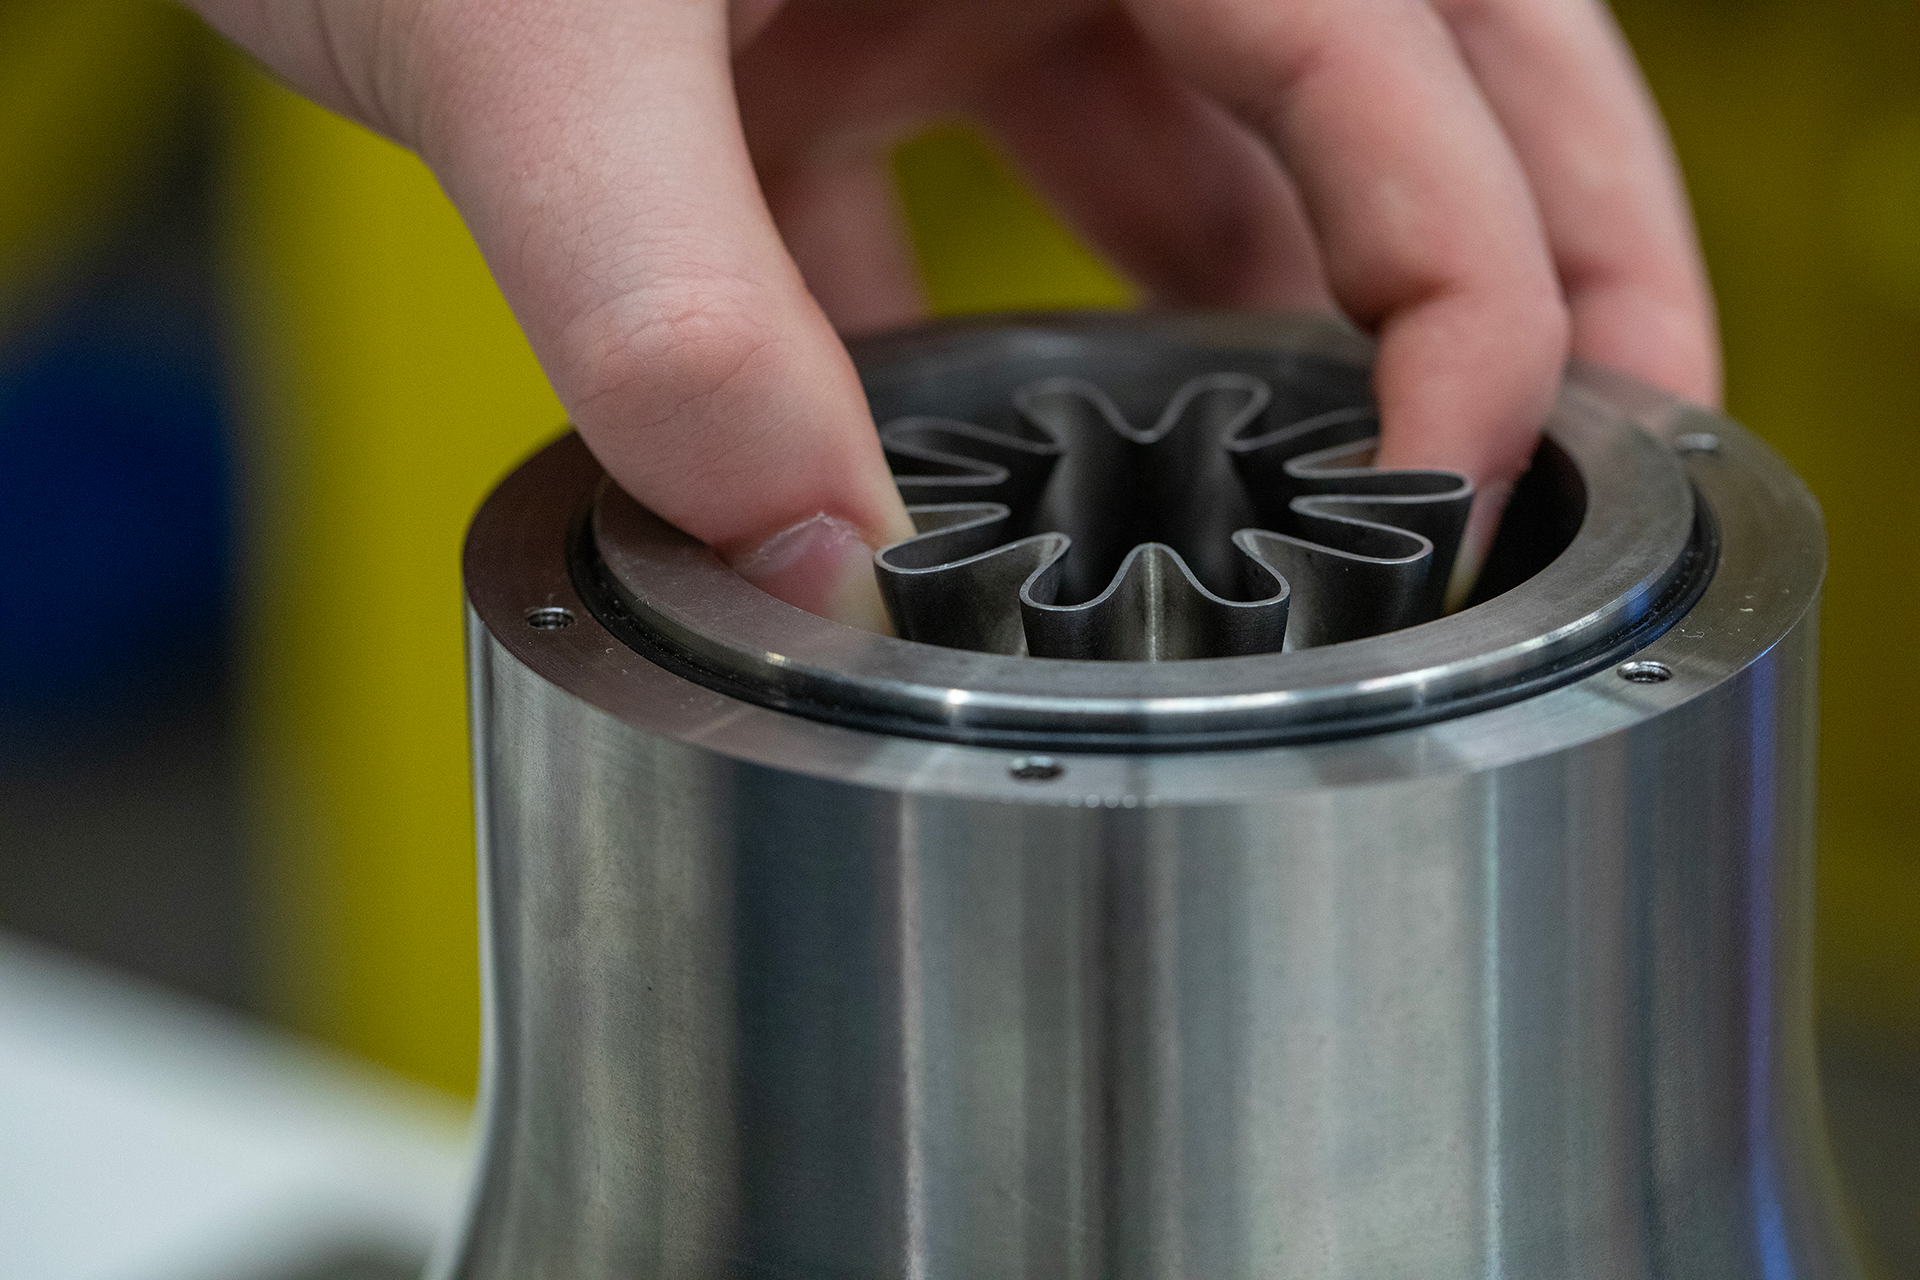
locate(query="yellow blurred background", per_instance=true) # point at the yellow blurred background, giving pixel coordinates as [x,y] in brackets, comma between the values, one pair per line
[379,387]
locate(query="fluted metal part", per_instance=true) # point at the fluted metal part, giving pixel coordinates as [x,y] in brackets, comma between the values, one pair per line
[1227,527]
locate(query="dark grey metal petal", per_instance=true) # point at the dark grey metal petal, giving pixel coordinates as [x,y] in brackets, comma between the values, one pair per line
[1105,540]
[958,582]
[1356,580]
[940,460]
[1154,610]
[1313,483]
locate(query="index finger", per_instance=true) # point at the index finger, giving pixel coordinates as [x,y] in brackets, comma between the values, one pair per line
[595,151]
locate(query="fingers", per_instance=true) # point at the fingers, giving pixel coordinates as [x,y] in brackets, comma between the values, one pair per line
[595,151]
[825,93]
[841,222]
[1425,223]
[1561,80]
[341,55]
[1174,191]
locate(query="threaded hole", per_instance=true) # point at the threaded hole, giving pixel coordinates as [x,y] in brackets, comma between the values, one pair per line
[1645,672]
[550,618]
[1035,769]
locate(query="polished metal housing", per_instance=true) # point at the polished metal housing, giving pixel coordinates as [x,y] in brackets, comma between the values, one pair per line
[1474,948]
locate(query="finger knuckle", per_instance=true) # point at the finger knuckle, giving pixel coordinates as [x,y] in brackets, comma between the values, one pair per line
[651,362]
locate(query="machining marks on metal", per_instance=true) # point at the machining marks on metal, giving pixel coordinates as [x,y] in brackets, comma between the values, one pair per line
[1071,533]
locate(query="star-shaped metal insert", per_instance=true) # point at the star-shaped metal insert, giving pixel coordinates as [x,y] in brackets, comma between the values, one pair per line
[1067,532]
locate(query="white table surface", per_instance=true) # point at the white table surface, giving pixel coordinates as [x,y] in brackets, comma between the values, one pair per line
[144,1136]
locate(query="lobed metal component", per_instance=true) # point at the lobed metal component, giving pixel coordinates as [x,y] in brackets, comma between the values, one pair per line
[773,989]
[1024,565]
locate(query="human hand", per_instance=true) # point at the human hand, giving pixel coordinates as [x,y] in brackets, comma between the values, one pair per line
[681,198]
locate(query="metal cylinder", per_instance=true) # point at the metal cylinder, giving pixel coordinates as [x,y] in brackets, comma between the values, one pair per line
[1478,947]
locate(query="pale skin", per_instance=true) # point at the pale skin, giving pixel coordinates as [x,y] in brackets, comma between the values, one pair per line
[685,202]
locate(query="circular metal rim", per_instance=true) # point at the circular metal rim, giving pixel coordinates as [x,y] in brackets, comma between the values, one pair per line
[1773,561]
[1624,577]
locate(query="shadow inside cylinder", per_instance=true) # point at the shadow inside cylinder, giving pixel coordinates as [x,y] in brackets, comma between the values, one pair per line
[1095,448]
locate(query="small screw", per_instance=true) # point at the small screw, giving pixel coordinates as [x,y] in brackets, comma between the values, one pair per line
[1645,672]
[1035,769]
[551,618]
[1697,442]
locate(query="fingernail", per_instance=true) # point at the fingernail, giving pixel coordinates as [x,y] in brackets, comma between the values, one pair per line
[821,565]
[1483,521]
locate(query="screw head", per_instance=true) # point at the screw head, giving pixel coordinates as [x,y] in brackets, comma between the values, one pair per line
[1645,672]
[549,618]
[1035,769]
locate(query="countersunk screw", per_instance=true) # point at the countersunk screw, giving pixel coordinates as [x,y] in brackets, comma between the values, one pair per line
[551,618]
[1035,769]
[1697,442]
[1645,672]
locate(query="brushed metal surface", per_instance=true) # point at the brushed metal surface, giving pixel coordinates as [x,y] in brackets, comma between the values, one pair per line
[1517,993]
